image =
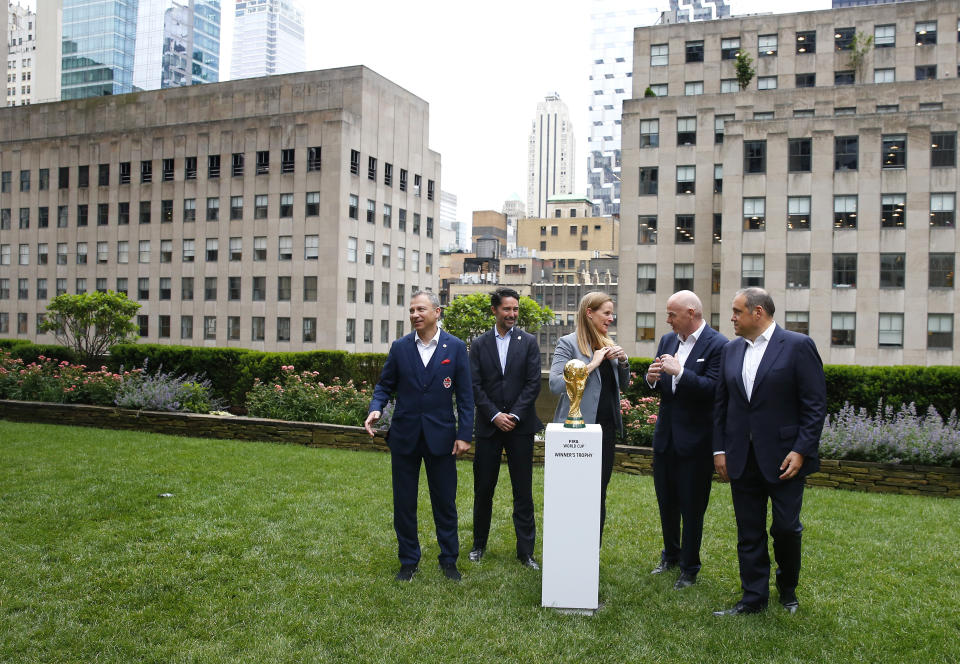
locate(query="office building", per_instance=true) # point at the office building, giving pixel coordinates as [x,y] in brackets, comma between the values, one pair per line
[21,54]
[268,38]
[47,60]
[514,210]
[799,183]
[275,214]
[97,50]
[177,43]
[551,155]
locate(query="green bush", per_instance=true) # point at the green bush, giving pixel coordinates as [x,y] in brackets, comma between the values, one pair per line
[29,352]
[864,387]
[305,397]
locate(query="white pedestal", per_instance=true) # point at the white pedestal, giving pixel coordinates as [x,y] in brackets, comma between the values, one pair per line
[571,517]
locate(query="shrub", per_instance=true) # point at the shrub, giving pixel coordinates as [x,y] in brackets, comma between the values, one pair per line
[890,436]
[141,390]
[57,382]
[304,397]
[639,419]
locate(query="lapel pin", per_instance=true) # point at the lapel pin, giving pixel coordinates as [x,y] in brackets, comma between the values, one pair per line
[444,345]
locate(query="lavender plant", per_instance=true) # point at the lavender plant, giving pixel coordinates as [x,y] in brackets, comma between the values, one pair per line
[892,436]
[165,391]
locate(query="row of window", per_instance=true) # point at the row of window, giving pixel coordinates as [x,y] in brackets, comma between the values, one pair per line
[844,39]
[211,249]
[168,171]
[261,210]
[843,328]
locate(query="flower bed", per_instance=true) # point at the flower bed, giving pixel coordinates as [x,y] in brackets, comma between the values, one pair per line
[303,397]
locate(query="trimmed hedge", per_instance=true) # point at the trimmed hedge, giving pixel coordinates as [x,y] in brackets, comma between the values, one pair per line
[30,352]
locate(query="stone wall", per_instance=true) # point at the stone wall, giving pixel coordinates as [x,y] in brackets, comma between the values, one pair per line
[851,475]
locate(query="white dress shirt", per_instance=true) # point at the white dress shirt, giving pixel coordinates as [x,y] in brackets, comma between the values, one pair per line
[427,349]
[503,345]
[753,355]
[683,352]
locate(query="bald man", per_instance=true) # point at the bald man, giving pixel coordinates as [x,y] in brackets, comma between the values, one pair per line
[685,372]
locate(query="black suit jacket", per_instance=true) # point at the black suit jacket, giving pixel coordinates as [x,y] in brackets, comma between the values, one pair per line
[785,412]
[514,391]
[686,416]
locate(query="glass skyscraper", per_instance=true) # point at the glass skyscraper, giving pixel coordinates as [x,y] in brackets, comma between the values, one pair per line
[98,47]
[267,38]
[178,43]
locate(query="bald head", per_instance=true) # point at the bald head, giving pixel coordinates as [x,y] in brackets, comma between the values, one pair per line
[684,313]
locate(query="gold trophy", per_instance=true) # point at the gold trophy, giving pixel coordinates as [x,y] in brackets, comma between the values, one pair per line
[575,376]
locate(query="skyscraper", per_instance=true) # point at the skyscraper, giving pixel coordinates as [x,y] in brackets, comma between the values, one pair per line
[178,43]
[98,51]
[22,35]
[551,155]
[267,38]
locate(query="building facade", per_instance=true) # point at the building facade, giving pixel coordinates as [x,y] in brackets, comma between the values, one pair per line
[551,155]
[293,213]
[21,54]
[831,180]
[177,43]
[268,38]
[97,48]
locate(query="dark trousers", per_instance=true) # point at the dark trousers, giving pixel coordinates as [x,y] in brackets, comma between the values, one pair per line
[608,452]
[750,494]
[442,480]
[486,471]
[683,485]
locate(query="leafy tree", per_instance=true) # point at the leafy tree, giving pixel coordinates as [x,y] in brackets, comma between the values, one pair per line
[91,323]
[469,316]
[745,70]
[649,92]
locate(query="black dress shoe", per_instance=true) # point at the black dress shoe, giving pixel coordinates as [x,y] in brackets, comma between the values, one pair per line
[663,566]
[788,600]
[737,609]
[406,572]
[685,581]
[476,554]
[528,561]
[450,571]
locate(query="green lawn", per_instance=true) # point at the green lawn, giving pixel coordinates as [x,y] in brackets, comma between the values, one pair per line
[272,553]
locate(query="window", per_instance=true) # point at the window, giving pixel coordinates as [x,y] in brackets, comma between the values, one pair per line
[351,250]
[368,291]
[686,179]
[890,330]
[729,85]
[893,210]
[844,212]
[884,36]
[646,229]
[845,149]
[400,297]
[260,248]
[236,208]
[213,166]
[659,54]
[718,124]
[212,249]
[143,288]
[717,228]
[401,257]
[372,168]
[939,330]
[43,179]
[729,48]
[284,288]
[403,179]
[259,289]
[387,174]
[648,181]
[146,171]
[190,168]
[82,252]
[807,41]
[166,170]
[354,207]
[943,149]
[189,210]
[43,217]
[233,328]
[843,38]
[751,270]
[285,248]
[682,276]
[368,248]
[24,218]
[414,261]
[694,50]
[313,159]
[23,257]
[925,72]
[42,253]
[844,270]
[843,329]
[926,33]
[311,247]
[763,115]
[82,218]
[123,253]
[754,157]
[646,278]
[354,162]
[63,178]
[718,178]
[941,271]
[312,208]
[844,77]
[645,326]
[143,252]
[145,212]
[884,75]
[186,288]
[288,160]
[807,80]
[892,270]
[942,210]
[209,327]
[103,214]
[234,288]
[286,206]
[800,155]
[649,133]
[210,289]
[258,328]
[166,211]
[309,289]
[283,328]
[371,211]
[766,83]
[416,184]
[351,290]
[260,206]
[189,250]
[798,270]
[894,151]
[236,164]
[888,108]
[691,88]
[754,214]
[684,229]
[767,46]
[659,89]
[143,326]
[24,180]
[41,289]
[686,131]
[351,330]
[309,329]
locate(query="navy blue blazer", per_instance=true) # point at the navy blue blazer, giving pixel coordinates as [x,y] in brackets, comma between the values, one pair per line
[424,395]
[514,391]
[786,410]
[686,416]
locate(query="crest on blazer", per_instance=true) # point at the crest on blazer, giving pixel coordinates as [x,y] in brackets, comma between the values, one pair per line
[447,382]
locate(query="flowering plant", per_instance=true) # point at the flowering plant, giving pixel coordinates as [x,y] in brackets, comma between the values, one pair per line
[639,419]
[303,397]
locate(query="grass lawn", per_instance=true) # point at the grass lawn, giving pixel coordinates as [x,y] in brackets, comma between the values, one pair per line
[272,553]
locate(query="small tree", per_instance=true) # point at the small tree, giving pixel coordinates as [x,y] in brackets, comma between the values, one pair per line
[469,316]
[860,46]
[745,69]
[649,92]
[91,323]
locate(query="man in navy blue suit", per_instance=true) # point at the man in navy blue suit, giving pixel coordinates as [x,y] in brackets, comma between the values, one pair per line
[424,370]
[685,372]
[770,405]
[505,366]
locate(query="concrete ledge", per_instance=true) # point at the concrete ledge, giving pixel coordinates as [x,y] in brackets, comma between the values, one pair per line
[850,475]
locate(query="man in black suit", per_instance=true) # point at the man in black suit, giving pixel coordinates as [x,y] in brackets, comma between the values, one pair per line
[505,365]
[685,373]
[770,405]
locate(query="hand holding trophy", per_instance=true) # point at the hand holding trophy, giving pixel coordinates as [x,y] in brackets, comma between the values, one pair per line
[575,375]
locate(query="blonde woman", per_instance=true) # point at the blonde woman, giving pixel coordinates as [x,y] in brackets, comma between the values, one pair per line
[608,370]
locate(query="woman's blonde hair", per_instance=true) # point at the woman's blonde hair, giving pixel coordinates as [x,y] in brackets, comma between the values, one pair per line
[589,338]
